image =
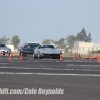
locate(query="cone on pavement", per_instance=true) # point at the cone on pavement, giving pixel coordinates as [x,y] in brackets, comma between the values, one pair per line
[93,58]
[87,57]
[79,56]
[61,58]
[21,56]
[6,53]
[0,54]
[75,56]
[13,54]
[10,58]
[99,58]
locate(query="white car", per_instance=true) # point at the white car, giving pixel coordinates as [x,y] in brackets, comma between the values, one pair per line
[4,49]
[47,51]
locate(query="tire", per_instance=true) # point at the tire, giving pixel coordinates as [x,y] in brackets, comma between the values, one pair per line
[34,56]
[39,56]
[9,54]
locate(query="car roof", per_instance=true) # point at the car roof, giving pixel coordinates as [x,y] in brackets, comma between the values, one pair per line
[33,42]
[46,44]
[2,43]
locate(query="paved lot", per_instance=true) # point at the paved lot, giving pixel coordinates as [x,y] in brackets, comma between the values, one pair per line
[79,79]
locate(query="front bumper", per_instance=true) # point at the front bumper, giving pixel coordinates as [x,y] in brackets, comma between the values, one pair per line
[27,52]
[50,55]
[5,51]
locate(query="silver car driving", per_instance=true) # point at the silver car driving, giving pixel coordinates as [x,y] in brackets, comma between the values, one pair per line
[46,51]
[4,49]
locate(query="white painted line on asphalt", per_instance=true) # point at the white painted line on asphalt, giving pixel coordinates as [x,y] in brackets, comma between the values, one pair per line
[48,68]
[50,74]
[81,65]
[4,63]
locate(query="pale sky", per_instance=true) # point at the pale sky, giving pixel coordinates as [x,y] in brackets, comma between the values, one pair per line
[35,20]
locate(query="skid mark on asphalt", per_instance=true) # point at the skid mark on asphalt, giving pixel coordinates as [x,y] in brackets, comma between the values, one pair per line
[51,74]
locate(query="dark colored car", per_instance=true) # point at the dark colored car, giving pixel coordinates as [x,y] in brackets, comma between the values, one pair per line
[27,50]
[35,44]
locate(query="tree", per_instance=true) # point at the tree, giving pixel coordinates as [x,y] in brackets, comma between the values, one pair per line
[15,41]
[70,41]
[4,40]
[60,44]
[89,37]
[82,36]
[47,41]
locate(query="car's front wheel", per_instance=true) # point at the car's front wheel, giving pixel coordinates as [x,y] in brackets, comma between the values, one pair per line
[34,56]
[39,56]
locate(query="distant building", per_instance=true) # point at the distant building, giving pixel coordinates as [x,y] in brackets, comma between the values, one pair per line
[85,47]
[10,46]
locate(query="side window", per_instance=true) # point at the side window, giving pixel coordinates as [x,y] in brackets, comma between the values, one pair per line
[41,46]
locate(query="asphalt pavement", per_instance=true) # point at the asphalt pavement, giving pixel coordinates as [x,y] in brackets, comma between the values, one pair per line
[77,79]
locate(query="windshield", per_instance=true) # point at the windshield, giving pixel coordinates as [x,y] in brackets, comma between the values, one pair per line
[28,46]
[34,44]
[2,45]
[47,46]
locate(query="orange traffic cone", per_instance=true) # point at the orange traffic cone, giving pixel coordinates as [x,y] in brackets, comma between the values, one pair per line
[93,58]
[61,58]
[0,54]
[10,58]
[87,57]
[79,56]
[99,58]
[6,53]
[13,54]
[21,56]
[75,56]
